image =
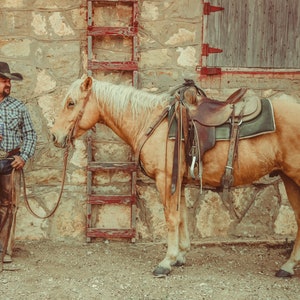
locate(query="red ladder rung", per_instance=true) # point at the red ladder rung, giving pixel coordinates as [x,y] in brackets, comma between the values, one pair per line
[114,166]
[109,199]
[113,65]
[114,31]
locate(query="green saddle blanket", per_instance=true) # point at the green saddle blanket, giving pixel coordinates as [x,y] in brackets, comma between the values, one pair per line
[263,123]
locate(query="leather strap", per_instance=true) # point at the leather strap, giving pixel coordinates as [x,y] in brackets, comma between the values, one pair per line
[149,132]
[175,159]
[227,179]
[181,132]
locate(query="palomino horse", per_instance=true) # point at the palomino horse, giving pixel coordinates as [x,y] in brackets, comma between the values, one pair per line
[130,113]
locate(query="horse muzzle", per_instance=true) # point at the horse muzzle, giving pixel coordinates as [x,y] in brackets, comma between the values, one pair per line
[59,141]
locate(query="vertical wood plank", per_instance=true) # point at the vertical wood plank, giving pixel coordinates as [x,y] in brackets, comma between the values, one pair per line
[255,34]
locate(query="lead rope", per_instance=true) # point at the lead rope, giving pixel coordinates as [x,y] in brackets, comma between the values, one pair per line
[66,154]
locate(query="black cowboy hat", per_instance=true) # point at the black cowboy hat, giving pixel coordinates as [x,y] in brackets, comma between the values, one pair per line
[5,72]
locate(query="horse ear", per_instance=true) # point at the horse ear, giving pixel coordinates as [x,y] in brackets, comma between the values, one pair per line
[87,84]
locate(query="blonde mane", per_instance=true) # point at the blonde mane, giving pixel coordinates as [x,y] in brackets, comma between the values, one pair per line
[119,97]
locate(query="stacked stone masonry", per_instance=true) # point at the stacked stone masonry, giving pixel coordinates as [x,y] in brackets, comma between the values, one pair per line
[46,42]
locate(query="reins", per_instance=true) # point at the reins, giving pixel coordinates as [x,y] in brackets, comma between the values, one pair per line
[69,142]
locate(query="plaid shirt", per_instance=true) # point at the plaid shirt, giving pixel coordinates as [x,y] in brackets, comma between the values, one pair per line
[18,131]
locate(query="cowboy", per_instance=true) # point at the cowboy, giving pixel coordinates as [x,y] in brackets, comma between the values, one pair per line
[17,145]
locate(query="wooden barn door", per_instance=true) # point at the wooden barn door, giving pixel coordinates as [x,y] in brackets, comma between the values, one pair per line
[251,34]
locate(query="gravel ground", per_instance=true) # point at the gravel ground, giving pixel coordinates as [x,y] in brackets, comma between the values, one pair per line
[121,270]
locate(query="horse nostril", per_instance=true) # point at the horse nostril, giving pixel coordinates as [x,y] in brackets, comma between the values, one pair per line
[53,137]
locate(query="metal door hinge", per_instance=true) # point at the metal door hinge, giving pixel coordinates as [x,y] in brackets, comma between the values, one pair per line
[206,50]
[207,9]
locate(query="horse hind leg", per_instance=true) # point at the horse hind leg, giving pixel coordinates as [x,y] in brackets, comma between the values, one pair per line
[293,193]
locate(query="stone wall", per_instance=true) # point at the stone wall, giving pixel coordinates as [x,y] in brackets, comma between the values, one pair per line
[46,42]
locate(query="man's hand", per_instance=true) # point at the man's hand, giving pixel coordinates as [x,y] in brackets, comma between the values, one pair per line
[18,163]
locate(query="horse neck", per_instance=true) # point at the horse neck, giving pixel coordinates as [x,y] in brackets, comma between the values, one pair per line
[124,127]
[127,124]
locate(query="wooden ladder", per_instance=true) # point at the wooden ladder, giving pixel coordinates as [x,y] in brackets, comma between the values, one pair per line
[95,65]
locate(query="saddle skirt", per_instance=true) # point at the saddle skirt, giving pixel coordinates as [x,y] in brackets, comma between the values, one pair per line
[257,124]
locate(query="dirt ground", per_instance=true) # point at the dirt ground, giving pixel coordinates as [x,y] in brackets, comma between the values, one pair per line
[121,270]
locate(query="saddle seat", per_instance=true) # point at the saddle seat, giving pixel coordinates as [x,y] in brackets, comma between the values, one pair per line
[213,113]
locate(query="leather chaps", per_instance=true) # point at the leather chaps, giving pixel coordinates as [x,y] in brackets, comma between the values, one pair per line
[8,210]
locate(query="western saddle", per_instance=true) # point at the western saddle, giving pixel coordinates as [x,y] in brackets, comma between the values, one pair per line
[201,115]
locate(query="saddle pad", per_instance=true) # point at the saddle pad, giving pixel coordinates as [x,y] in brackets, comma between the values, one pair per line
[263,123]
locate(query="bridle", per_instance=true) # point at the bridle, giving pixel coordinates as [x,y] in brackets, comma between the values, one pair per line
[69,142]
[74,129]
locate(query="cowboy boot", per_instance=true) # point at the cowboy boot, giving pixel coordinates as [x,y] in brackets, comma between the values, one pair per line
[6,216]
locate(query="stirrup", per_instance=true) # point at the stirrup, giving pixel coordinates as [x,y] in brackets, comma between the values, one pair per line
[192,167]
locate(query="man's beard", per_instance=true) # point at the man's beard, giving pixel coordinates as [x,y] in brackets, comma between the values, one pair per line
[6,92]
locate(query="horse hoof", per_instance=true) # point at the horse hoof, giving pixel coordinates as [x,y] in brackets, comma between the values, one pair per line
[161,272]
[179,264]
[283,274]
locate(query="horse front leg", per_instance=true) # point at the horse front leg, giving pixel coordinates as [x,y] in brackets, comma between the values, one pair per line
[172,211]
[293,193]
[184,239]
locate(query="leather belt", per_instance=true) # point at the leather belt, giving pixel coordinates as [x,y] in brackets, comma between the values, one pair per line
[4,154]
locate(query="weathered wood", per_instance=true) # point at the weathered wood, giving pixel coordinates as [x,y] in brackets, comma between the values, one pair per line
[255,34]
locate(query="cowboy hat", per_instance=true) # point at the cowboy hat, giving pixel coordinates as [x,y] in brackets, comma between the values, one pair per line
[5,72]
